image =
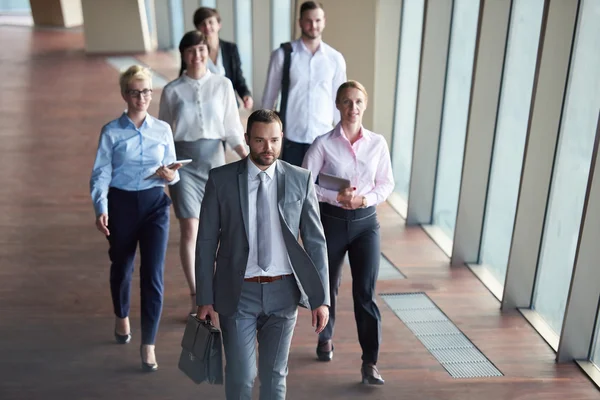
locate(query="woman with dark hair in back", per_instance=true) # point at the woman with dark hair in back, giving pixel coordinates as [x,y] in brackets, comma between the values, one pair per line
[224,57]
[200,107]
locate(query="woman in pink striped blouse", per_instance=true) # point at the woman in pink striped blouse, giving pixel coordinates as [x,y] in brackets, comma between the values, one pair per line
[349,218]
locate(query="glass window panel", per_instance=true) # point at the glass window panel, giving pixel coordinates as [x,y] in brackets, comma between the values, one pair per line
[209,3]
[571,169]
[14,6]
[457,94]
[511,131]
[406,92]
[281,22]
[243,36]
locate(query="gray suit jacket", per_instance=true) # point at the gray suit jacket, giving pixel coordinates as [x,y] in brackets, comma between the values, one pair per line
[223,236]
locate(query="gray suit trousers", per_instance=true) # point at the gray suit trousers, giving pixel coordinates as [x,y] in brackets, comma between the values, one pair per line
[266,312]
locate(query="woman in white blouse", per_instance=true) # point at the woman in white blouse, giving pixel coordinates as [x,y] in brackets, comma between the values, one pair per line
[201,108]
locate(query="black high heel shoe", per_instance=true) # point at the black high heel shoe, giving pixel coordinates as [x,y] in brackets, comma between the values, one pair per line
[370,375]
[122,339]
[146,367]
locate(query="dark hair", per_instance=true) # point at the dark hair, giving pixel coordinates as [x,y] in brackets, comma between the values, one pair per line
[310,5]
[192,38]
[204,13]
[263,116]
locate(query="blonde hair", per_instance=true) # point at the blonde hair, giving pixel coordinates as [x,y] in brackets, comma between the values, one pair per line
[134,73]
[350,85]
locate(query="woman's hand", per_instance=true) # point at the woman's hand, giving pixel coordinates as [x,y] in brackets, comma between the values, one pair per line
[168,173]
[356,202]
[102,224]
[348,200]
[248,102]
[345,196]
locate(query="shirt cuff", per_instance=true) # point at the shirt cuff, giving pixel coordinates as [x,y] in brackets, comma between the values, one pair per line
[371,199]
[328,196]
[175,180]
[101,208]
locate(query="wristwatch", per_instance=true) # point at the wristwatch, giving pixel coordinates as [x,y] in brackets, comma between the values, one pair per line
[364,202]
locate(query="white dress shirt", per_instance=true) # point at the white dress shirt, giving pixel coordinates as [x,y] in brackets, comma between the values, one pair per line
[216,68]
[314,81]
[280,260]
[366,163]
[202,108]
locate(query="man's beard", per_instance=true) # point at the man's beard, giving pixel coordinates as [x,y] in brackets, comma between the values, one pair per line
[258,158]
[309,35]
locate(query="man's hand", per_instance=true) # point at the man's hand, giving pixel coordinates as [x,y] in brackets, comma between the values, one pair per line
[320,317]
[102,224]
[207,313]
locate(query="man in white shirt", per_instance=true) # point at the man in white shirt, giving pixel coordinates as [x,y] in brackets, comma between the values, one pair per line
[316,72]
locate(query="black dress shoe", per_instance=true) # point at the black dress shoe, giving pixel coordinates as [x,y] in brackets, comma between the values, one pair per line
[122,339]
[322,354]
[146,367]
[370,375]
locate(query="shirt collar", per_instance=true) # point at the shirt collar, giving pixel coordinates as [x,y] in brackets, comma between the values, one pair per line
[338,132]
[125,121]
[320,49]
[197,81]
[253,170]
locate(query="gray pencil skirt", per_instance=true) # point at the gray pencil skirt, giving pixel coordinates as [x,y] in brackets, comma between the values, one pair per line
[187,194]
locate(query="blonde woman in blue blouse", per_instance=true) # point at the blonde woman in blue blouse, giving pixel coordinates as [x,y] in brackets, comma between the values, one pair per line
[127,189]
[201,108]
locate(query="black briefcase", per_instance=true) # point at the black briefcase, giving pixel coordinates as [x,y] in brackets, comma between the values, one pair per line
[202,355]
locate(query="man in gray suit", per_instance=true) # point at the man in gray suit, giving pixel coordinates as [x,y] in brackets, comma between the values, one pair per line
[253,213]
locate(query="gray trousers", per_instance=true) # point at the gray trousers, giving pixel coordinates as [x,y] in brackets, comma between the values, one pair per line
[266,312]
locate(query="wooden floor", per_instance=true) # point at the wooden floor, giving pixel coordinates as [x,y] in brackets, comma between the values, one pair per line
[55,312]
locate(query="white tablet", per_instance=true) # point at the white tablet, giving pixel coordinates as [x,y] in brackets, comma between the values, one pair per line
[183,162]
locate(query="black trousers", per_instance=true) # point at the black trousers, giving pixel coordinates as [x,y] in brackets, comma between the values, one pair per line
[355,232]
[138,217]
[293,152]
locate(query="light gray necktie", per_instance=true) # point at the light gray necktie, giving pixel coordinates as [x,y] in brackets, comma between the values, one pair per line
[263,224]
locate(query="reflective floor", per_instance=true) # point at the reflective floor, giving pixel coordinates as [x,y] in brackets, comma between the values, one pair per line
[55,314]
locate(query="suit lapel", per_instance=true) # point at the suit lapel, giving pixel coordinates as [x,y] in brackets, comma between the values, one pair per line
[243,191]
[280,173]
[226,58]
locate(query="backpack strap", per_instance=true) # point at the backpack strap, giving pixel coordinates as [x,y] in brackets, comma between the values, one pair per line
[285,80]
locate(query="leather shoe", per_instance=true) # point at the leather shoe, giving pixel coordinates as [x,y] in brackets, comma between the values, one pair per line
[370,375]
[122,339]
[322,353]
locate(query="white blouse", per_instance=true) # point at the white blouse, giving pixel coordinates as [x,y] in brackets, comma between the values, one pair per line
[218,68]
[202,108]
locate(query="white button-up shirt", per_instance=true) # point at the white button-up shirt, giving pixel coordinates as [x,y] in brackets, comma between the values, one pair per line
[366,163]
[202,108]
[280,260]
[314,81]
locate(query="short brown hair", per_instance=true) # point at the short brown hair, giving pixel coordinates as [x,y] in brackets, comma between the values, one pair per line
[310,5]
[262,116]
[350,85]
[205,13]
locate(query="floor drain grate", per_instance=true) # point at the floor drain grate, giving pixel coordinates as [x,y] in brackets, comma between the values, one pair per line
[457,354]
